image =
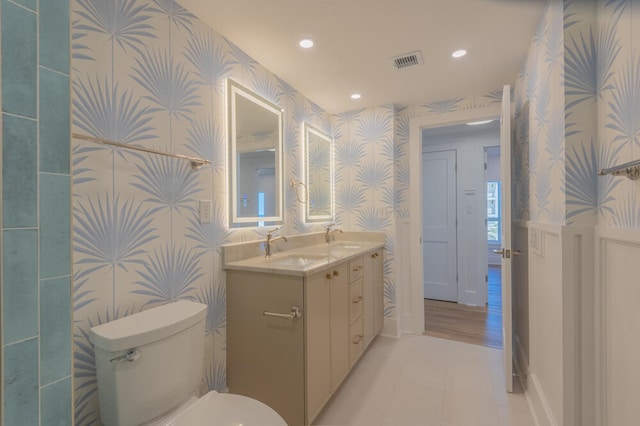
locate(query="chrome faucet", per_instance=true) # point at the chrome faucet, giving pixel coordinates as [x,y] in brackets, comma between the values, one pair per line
[329,231]
[270,239]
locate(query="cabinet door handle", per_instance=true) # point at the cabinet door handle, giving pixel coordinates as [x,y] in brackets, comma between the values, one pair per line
[296,312]
[357,340]
[357,299]
[376,254]
[336,273]
[328,276]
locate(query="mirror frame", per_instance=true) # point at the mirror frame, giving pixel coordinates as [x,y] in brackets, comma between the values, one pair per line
[236,89]
[307,131]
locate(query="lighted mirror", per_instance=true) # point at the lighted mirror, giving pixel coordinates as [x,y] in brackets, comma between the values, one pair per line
[255,158]
[318,174]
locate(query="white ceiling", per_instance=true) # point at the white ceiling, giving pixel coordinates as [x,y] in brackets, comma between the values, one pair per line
[355,40]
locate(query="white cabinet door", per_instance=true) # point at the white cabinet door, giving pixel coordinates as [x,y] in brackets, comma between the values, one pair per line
[318,333]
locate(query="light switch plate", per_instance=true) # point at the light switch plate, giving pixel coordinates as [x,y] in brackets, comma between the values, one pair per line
[204,211]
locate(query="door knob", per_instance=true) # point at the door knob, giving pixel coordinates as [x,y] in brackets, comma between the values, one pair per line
[506,253]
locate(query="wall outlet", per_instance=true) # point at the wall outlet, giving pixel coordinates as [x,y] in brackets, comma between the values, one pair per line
[204,211]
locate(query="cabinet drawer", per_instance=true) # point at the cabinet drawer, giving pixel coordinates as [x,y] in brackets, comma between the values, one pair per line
[356,299]
[356,341]
[356,268]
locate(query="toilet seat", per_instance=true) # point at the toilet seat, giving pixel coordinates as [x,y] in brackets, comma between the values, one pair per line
[223,409]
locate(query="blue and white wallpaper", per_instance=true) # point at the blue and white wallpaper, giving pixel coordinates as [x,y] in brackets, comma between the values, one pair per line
[576,112]
[365,195]
[539,125]
[618,105]
[149,73]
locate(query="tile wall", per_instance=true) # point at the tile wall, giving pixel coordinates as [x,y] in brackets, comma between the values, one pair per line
[36,243]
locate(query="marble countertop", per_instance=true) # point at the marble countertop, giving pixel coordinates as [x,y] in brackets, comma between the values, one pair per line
[306,260]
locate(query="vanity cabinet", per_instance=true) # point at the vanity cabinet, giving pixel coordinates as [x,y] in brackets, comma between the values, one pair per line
[294,365]
[373,295]
[356,309]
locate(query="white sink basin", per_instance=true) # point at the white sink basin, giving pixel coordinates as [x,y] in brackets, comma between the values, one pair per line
[345,245]
[297,260]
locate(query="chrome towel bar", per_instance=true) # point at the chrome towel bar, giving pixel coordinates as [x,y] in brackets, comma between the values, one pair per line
[196,162]
[630,170]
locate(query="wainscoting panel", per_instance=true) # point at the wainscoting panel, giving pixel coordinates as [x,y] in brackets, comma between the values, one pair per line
[560,295]
[618,294]
[545,308]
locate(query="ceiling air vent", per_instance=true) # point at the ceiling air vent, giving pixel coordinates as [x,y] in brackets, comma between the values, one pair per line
[407,60]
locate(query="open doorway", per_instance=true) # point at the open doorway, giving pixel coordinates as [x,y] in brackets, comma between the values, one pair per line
[461,209]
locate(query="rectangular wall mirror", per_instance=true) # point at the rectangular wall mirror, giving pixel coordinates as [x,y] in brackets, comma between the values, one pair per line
[255,158]
[318,158]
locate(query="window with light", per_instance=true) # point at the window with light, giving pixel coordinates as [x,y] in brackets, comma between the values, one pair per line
[493,211]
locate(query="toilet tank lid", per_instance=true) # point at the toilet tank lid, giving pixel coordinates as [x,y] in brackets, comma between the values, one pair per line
[147,326]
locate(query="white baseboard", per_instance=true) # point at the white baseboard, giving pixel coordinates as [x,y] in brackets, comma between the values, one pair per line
[538,403]
[390,328]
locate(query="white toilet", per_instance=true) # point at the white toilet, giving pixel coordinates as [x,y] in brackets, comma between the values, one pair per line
[150,366]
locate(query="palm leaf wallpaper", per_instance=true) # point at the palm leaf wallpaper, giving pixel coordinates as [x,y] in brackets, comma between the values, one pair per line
[148,72]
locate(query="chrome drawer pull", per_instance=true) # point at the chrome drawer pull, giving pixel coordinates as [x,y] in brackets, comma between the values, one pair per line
[357,299]
[296,312]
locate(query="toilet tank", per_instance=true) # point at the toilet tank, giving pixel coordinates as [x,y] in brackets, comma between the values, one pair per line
[150,362]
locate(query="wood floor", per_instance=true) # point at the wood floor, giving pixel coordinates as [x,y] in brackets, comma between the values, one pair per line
[469,324]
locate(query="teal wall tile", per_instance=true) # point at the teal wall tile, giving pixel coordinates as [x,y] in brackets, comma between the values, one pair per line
[19,173]
[55,225]
[54,34]
[19,60]
[20,290]
[21,393]
[54,122]
[31,4]
[55,329]
[56,403]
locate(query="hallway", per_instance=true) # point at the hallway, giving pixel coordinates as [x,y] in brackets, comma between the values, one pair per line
[469,324]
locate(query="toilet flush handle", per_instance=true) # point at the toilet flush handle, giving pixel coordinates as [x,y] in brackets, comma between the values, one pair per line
[129,356]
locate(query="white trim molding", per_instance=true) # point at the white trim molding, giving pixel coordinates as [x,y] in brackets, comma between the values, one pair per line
[616,326]
[558,358]
[413,314]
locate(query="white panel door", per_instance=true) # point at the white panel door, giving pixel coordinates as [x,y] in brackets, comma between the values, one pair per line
[439,225]
[506,251]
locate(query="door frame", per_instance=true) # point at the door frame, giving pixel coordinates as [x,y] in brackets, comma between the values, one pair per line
[412,320]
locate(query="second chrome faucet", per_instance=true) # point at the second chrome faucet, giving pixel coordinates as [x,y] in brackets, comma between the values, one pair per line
[270,239]
[329,231]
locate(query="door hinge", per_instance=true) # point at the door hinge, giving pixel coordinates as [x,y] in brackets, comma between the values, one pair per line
[456,277]
[485,166]
[455,167]
[486,278]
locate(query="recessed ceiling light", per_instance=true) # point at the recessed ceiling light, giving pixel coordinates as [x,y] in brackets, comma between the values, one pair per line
[459,53]
[356,96]
[306,43]
[476,123]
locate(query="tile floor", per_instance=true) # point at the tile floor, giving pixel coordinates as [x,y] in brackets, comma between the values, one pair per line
[423,380]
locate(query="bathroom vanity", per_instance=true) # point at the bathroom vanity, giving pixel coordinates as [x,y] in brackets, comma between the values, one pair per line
[298,322]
